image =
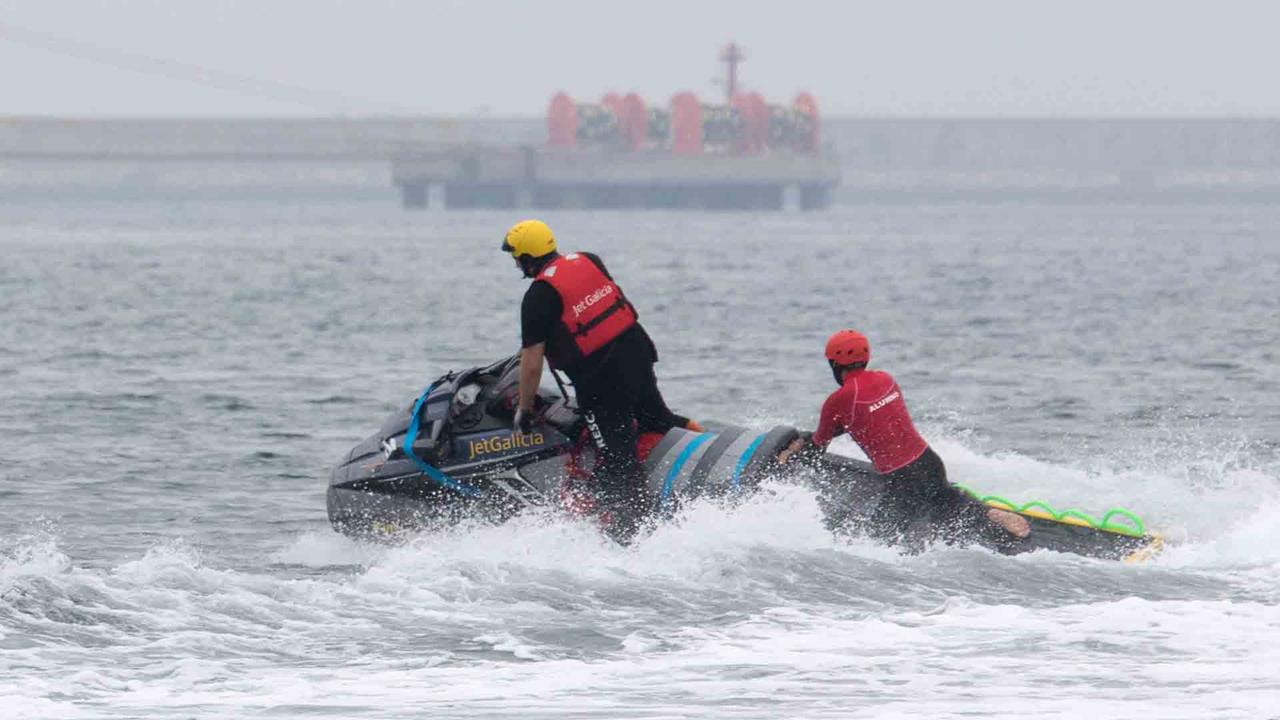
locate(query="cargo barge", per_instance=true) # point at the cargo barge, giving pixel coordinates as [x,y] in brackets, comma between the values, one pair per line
[621,152]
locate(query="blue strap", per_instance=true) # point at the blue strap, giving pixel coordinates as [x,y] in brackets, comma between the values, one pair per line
[678,465]
[746,458]
[430,470]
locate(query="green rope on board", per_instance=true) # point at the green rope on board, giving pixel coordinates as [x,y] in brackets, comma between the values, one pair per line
[1131,524]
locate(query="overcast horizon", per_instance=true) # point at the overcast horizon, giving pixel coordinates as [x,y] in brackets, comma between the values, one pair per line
[502,58]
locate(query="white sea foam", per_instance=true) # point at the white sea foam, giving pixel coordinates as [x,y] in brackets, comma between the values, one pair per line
[745,611]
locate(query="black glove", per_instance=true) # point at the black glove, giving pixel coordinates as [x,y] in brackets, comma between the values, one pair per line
[523,421]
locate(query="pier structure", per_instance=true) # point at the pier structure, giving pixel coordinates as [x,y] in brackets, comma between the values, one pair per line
[880,160]
[533,177]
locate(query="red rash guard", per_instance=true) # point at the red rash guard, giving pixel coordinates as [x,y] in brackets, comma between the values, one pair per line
[869,406]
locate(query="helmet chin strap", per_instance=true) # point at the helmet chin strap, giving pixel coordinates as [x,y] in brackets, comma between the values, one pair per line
[837,372]
[531,266]
[526,267]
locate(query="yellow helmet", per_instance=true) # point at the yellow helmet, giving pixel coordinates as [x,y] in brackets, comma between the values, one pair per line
[529,238]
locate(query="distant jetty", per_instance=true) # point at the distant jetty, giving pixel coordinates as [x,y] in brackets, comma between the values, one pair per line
[879,160]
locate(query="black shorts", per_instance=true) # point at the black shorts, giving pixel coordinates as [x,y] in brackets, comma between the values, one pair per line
[619,399]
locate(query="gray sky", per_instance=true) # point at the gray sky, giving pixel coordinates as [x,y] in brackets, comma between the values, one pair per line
[892,57]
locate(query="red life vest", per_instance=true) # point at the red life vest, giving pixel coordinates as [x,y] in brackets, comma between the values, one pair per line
[595,310]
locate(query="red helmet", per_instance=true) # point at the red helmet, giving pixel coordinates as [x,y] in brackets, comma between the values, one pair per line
[848,347]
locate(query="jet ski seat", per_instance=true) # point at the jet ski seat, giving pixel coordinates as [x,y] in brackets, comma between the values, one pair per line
[500,395]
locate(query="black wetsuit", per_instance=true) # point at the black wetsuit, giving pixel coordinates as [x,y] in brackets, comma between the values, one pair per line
[617,393]
[920,506]
[911,507]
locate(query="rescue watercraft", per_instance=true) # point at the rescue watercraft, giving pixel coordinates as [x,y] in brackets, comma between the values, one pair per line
[452,456]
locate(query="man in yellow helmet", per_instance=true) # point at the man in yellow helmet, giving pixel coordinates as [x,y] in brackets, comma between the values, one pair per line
[577,317]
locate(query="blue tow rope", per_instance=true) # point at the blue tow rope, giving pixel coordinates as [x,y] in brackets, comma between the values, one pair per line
[678,465]
[428,469]
[746,458]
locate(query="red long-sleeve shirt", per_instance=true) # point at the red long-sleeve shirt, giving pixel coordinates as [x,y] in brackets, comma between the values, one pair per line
[869,406]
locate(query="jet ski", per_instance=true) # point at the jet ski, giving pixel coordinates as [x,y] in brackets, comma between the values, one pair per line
[452,456]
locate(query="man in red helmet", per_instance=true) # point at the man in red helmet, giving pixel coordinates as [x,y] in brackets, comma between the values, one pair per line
[869,406]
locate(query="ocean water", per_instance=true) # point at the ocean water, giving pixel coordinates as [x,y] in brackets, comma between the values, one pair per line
[177,378]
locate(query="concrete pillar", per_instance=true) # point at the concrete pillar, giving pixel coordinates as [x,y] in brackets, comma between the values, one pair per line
[524,198]
[435,196]
[573,199]
[791,198]
[413,196]
[815,197]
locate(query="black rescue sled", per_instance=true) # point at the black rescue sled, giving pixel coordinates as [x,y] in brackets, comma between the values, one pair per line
[452,456]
